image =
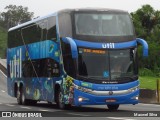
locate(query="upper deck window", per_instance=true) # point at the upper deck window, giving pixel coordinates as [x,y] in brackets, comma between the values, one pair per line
[103,24]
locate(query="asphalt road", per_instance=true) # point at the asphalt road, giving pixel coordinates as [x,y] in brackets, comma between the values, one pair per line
[125,112]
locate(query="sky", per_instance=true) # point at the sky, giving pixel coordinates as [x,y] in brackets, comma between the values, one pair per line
[45,7]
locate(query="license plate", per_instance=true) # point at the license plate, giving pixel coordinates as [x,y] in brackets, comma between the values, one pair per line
[110,100]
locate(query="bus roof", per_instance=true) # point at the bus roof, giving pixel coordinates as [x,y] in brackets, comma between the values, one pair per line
[32,21]
[93,9]
[67,10]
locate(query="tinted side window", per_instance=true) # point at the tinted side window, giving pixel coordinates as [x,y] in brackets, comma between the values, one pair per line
[11,37]
[65,25]
[14,38]
[43,26]
[27,69]
[41,68]
[51,35]
[68,60]
[49,68]
[41,30]
[31,34]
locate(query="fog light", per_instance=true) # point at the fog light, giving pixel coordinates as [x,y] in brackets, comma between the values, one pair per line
[136,98]
[80,99]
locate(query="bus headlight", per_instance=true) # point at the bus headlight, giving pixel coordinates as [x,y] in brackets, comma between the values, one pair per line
[135,97]
[80,99]
[82,88]
[134,89]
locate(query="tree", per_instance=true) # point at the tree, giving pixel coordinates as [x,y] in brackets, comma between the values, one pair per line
[145,19]
[3,44]
[15,15]
[155,34]
[147,26]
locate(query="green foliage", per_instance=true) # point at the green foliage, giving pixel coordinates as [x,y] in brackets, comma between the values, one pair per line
[3,42]
[146,72]
[152,62]
[14,15]
[155,34]
[145,19]
[147,26]
[148,82]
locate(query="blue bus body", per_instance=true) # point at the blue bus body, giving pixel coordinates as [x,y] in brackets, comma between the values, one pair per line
[38,69]
[40,85]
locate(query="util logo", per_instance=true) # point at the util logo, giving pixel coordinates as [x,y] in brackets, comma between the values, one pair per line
[108,45]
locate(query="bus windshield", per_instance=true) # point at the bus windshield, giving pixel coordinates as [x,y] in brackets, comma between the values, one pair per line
[103,24]
[107,64]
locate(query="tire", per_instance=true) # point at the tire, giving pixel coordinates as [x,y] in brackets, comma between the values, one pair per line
[20,96]
[21,99]
[113,107]
[60,104]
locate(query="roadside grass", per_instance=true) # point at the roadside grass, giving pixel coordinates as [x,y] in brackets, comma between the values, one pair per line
[148,82]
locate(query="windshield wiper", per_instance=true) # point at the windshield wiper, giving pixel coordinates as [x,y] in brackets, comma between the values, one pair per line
[97,77]
[127,77]
[91,77]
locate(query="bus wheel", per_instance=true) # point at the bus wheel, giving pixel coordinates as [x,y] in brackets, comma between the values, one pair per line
[60,103]
[21,97]
[113,107]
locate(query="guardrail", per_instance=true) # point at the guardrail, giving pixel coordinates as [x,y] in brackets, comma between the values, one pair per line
[3,66]
[3,69]
[158,91]
[3,62]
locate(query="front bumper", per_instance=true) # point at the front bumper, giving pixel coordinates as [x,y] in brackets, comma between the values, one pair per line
[93,99]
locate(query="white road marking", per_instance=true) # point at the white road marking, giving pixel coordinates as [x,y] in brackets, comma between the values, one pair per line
[149,104]
[117,118]
[10,105]
[26,107]
[3,74]
[44,110]
[3,91]
[78,114]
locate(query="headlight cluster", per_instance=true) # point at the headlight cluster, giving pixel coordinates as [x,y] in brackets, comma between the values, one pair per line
[95,92]
[82,88]
[134,89]
[135,97]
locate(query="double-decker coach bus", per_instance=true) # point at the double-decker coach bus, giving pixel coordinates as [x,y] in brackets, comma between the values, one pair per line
[75,57]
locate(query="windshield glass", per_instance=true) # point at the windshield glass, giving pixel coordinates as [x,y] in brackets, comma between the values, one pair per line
[106,64]
[93,63]
[121,63]
[103,24]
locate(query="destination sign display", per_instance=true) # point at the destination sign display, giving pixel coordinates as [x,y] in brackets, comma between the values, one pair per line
[94,51]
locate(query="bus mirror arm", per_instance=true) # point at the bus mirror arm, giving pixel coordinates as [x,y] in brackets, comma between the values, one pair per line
[73,46]
[145,46]
[74,52]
